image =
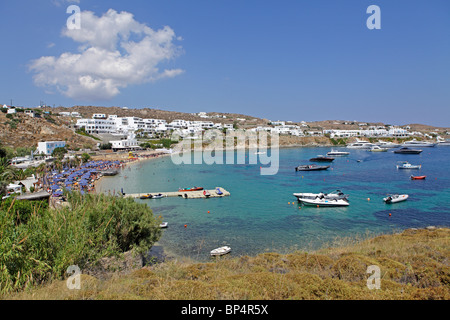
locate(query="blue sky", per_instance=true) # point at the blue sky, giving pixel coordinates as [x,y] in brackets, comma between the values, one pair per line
[282,60]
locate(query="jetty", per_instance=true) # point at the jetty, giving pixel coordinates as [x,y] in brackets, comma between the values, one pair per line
[184,194]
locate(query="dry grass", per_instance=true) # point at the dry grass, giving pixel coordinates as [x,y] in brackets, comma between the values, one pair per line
[414,265]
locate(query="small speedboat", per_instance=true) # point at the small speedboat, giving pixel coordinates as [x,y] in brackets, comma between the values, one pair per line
[219,192]
[206,193]
[323,202]
[158,196]
[163,225]
[311,167]
[321,158]
[407,165]
[378,149]
[406,150]
[393,198]
[418,177]
[221,251]
[146,196]
[337,194]
[190,189]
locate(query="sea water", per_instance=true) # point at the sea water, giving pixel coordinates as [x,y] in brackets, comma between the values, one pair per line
[261,214]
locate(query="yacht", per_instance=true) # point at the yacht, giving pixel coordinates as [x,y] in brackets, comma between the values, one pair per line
[415,143]
[337,194]
[443,142]
[361,145]
[387,144]
[338,153]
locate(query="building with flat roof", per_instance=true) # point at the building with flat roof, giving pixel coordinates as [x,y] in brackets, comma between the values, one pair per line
[47,147]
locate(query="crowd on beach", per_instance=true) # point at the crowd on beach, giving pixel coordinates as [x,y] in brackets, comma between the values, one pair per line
[82,178]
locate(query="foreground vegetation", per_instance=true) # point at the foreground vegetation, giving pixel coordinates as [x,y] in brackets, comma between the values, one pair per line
[414,265]
[39,243]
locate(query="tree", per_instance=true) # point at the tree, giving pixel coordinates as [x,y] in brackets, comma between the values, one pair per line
[59,152]
[85,157]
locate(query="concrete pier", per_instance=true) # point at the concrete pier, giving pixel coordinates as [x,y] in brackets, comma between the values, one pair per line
[184,194]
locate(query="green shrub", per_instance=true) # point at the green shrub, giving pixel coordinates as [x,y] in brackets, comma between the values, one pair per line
[39,243]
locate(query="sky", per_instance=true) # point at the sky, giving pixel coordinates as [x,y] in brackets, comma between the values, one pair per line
[280,60]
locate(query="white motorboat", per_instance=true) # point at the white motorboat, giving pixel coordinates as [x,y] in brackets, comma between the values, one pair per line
[338,153]
[220,251]
[443,142]
[323,202]
[158,196]
[378,149]
[385,144]
[337,194]
[359,144]
[415,143]
[407,165]
[393,198]
[163,225]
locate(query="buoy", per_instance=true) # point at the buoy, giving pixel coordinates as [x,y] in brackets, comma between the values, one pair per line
[317,206]
[289,203]
[185,225]
[389,214]
[208,211]
[368,199]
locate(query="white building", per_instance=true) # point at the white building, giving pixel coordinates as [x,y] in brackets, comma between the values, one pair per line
[47,147]
[96,125]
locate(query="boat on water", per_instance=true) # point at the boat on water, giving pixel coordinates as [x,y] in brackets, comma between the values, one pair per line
[206,193]
[158,196]
[418,177]
[337,153]
[393,198]
[443,142]
[191,189]
[406,150]
[336,194]
[163,225]
[321,158]
[407,165]
[387,144]
[359,144]
[325,202]
[146,196]
[378,149]
[220,251]
[311,167]
[415,143]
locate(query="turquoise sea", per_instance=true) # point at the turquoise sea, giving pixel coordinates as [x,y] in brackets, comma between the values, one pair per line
[262,214]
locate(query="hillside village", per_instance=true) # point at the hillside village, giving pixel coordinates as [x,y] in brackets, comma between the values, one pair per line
[87,127]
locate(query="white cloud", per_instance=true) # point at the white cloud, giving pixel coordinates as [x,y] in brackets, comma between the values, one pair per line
[115,51]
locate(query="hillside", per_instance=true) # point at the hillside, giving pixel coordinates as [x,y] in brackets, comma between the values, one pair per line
[21,130]
[414,265]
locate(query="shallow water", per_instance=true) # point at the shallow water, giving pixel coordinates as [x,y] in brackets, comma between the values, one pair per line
[262,214]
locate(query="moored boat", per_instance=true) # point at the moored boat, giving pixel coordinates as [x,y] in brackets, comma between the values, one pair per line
[359,144]
[393,198]
[337,194]
[337,153]
[321,158]
[311,167]
[407,165]
[163,225]
[158,196]
[378,149]
[406,150]
[220,251]
[415,143]
[190,189]
[146,196]
[206,193]
[326,202]
[418,177]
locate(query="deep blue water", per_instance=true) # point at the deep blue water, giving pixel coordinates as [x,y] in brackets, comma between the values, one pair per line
[262,214]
